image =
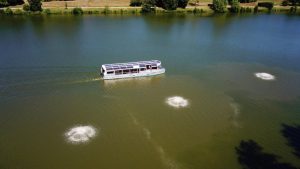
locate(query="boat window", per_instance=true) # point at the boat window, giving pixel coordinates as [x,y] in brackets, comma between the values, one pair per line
[134,70]
[143,69]
[148,66]
[154,67]
[125,71]
[110,72]
[118,72]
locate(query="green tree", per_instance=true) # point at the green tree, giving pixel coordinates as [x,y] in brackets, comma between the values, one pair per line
[182,3]
[235,6]
[159,3]
[26,7]
[219,6]
[135,3]
[148,6]
[77,11]
[294,2]
[285,3]
[3,3]
[247,1]
[15,2]
[35,5]
[8,11]
[169,4]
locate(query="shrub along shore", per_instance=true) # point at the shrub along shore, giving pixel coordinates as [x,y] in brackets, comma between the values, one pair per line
[200,10]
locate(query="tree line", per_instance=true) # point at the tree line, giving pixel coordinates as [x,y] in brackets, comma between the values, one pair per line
[219,6]
[4,3]
[149,5]
[33,5]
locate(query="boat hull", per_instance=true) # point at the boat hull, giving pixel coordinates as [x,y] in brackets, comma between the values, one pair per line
[134,75]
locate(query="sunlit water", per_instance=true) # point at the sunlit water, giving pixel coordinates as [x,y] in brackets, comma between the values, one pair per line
[49,83]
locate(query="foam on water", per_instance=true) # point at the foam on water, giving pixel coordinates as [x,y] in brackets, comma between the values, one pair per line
[89,80]
[80,134]
[236,112]
[177,101]
[165,159]
[147,133]
[264,76]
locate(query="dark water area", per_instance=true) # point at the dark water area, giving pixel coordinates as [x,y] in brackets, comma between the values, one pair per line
[49,82]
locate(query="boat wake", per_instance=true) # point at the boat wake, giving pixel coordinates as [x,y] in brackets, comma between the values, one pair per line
[86,80]
[166,160]
[236,113]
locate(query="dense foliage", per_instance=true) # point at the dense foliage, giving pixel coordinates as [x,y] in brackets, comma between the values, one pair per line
[8,11]
[170,4]
[26,7]
[77,11]
[235,6]
[4,3]
[285,3]
[292,2]
[268,5]
[148,6]
[35,5]
[247,1]
[182,3]
[219,6]
[135,3]
[15,2]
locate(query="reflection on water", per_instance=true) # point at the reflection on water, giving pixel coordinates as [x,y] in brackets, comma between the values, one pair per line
[132,81]
[292,134]
[251,156]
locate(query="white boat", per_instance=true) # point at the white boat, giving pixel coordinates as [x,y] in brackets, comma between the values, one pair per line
[131,69]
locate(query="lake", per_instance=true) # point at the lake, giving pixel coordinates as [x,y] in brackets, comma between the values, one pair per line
[49,83]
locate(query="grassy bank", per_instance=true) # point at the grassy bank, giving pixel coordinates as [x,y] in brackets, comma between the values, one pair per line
[70,11]
[202,10]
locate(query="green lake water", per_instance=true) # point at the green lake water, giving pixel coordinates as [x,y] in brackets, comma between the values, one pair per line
[49,83]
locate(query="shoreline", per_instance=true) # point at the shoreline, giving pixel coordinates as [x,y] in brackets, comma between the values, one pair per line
[197,10]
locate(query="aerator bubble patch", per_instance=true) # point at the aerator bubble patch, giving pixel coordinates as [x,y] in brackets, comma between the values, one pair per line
[177,102]
[80,134]
[264,76]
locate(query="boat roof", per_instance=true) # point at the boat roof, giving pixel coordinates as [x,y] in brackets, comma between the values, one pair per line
[131,65]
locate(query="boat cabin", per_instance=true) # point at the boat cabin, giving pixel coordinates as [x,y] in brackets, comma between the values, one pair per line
[130,67]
